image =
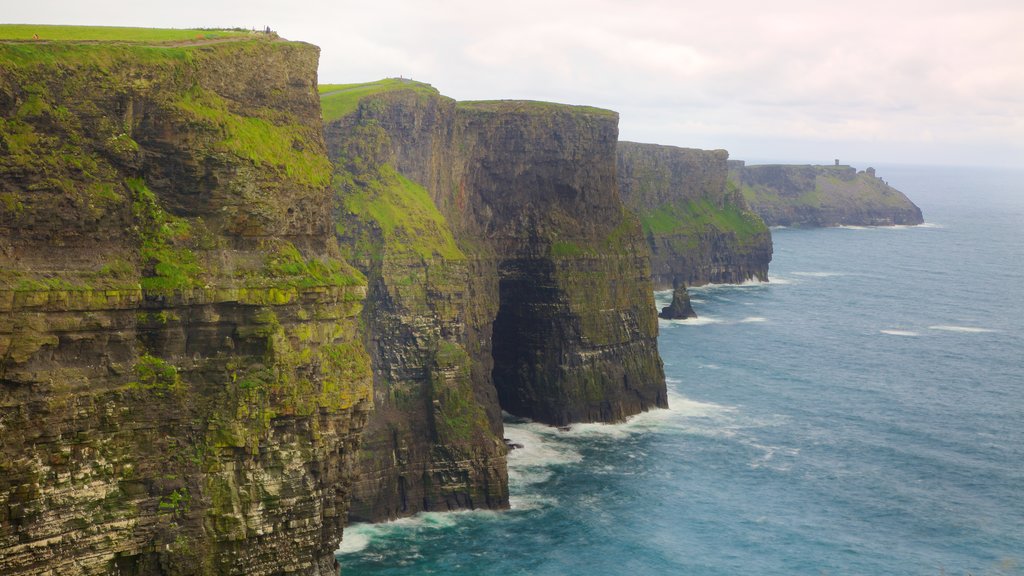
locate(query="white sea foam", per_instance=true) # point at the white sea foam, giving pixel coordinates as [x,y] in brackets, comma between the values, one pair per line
[893,332]
[965,329]
[753,319]
[852,227]
[358,536]
[819,274]
[778,280]
[698,321]
[540,450]
[708,367]
[768,454]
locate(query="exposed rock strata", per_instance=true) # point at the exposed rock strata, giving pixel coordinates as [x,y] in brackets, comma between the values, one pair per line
[557,315]
[435,439]
[698,229]
[181,381]
[804,195]
[680,307]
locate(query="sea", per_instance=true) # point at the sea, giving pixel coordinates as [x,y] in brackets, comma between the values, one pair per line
[861,413]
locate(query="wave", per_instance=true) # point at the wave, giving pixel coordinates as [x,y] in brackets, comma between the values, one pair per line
[964,329]
[698,321]
[779,281]
[540,451]
[753,319]
[893,332]
[853,227]
[359,536]
[819,274]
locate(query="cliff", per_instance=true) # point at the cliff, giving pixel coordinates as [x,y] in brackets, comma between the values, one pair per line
[181,380]
[434,441]
[556,315]
[793,195]
[698,230]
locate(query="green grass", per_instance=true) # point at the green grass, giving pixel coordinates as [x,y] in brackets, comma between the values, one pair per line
[288,268]
[288,147]
[404,213]
[340,100]
[695,216]
[165,241]
[112,34]
[532,107]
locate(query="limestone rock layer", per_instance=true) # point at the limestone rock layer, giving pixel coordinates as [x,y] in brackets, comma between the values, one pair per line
[182,385]
[556,317]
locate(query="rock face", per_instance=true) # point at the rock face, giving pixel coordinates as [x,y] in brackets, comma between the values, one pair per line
[434,441]
[792,195]
[181,380]
[698,229]
[680,307]
[556,316]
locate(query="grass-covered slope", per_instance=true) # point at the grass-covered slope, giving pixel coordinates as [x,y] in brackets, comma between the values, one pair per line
[340,100]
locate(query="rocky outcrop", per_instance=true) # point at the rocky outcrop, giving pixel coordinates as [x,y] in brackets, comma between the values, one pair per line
[680,307]
[181,381]
[805,195]
[556,315]
[698,229]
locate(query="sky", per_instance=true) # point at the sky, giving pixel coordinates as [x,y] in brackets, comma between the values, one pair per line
[867,82]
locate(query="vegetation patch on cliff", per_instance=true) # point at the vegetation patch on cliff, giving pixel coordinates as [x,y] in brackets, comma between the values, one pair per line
[401,209]
[340,100]
[695,216]
[263,140]
[168,262]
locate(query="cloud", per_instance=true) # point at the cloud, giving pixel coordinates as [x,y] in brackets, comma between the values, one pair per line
[914,80]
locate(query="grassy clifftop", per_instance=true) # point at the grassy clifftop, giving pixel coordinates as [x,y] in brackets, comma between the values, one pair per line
[340,100]
[52,33]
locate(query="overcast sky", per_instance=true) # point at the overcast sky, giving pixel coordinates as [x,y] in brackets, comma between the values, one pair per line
[893,81]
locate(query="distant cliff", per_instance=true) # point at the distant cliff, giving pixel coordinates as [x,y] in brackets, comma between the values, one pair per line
[556,318]
[699,231]
[181,379]
[794,195]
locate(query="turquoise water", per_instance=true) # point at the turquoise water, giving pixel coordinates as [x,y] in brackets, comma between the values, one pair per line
[862,413]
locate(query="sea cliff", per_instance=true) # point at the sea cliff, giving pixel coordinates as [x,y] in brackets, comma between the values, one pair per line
[182,383]
[232,306]
[698,229]
[556,317]
[805,195]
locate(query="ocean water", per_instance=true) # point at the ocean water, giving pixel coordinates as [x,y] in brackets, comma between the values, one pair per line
[861,413]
